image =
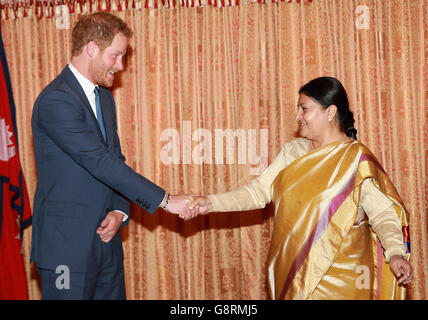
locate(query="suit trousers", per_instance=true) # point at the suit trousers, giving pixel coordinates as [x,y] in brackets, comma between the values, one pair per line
[104,281]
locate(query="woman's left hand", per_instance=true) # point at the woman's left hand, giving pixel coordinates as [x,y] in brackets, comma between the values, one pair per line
[402,269]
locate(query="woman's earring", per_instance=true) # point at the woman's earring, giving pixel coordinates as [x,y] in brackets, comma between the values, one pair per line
[329,119]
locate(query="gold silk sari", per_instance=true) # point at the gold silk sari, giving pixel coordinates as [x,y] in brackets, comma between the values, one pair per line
[318,251]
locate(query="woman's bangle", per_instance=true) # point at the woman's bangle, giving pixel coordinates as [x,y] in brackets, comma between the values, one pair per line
[167,201]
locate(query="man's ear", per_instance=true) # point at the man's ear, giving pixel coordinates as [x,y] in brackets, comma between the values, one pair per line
[92,49]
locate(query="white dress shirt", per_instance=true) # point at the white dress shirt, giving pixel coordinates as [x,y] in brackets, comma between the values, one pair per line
[88,87]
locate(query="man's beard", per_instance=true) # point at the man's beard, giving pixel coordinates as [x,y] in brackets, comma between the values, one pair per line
[99,74]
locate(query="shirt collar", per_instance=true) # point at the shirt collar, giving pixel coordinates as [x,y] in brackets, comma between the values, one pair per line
[87,86]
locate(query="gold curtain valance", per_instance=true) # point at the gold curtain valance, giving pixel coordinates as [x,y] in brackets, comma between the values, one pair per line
[49,8]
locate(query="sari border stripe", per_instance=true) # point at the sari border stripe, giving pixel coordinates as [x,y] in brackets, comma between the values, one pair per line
[316,233]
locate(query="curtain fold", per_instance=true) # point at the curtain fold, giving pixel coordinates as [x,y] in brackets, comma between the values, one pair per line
[207,99]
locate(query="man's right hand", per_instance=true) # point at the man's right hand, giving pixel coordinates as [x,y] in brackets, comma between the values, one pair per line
[179,204]
[187,206]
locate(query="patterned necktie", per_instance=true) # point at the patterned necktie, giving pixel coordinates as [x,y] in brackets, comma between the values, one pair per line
[99,114]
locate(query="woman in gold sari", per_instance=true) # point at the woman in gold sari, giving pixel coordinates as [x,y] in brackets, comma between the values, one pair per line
[340,228]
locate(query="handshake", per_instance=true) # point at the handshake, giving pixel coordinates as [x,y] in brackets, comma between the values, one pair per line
[186,206]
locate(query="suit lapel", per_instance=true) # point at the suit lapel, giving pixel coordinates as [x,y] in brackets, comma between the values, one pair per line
[78,92]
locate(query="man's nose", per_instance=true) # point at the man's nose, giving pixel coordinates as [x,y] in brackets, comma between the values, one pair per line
[119,64]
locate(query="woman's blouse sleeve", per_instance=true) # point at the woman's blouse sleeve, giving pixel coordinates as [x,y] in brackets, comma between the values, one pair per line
[254,195]
[383,219]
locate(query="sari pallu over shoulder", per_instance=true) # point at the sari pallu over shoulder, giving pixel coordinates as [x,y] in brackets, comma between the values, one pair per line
[316,204]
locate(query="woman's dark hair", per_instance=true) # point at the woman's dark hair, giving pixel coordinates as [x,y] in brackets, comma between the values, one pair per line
[327,91]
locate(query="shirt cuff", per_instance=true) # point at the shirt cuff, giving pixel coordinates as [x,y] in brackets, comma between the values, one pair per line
[125,216]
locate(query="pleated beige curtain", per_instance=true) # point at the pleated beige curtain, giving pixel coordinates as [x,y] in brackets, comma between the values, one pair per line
[194,78]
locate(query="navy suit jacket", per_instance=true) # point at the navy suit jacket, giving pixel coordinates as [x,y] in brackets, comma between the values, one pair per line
[80,177]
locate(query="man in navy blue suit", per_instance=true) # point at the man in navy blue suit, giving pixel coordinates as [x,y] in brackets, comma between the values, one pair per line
[84,185]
